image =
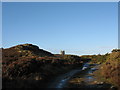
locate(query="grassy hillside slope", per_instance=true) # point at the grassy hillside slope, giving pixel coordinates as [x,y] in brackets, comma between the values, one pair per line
[27,66]
[110,66]
[110,70]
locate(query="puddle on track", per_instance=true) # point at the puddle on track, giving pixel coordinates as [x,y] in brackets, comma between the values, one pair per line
[62,80]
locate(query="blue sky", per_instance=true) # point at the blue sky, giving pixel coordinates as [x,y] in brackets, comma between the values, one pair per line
[78,28]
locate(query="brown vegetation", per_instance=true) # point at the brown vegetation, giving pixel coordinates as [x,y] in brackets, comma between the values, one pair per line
[26,64]
[111,68]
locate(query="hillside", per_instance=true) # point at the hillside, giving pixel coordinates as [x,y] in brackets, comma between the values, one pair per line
[109,66]
[24,50]
[110,70]
[26,65]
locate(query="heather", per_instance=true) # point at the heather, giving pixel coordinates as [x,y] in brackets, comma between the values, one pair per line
[27,64]
[110,70]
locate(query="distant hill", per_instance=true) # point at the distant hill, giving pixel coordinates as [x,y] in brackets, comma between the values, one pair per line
[24,50]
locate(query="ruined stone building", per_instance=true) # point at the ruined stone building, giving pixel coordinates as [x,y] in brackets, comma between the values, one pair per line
[62,52]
